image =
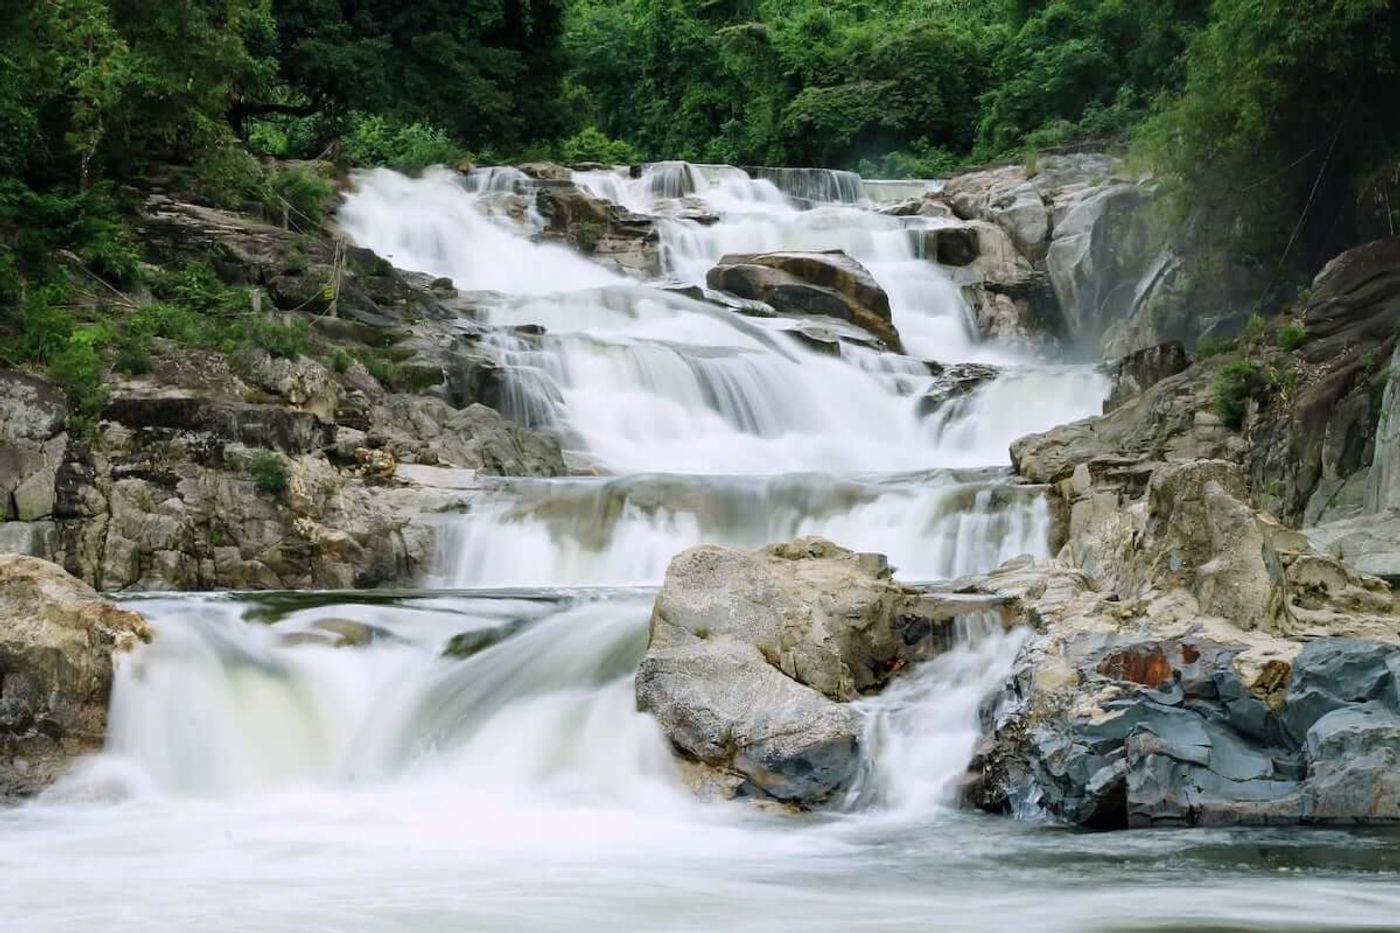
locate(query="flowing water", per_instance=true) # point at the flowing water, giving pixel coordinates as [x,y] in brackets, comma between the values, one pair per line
[260,777]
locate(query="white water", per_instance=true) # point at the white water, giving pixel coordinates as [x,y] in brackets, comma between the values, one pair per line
[259,778]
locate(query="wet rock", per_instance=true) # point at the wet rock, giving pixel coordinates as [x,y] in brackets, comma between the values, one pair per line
[720,702]
[467,644]
[1354,766]
[753,655]
[822,284]
[953,382]
[58,640]
[607,233]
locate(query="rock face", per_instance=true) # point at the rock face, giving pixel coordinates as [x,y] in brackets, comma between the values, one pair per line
[1137,372]
[753,657]
[1077,227]
[57,642]
[823,284]
[1196,662]
[245,470]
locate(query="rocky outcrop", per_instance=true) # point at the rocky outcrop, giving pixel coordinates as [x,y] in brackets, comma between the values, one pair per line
[1137,372]
[1079,228]
[753,656]
[607,233]
[244,470]
[1196,661]
[58,640]
[1203,669]
[818,284]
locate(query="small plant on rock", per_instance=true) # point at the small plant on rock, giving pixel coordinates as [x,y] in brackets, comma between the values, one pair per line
[1292,335]
[269,473]
[1234,385]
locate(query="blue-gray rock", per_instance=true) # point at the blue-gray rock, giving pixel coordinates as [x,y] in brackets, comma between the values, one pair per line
[1354,771]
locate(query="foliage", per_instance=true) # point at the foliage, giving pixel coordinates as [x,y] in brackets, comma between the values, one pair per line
[78,367]
[302,193]
[269,473]
[590,144]
[1292,335]
[407,147]
[1233,385]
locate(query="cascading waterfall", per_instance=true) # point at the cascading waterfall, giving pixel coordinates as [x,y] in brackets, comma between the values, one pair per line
[324,760]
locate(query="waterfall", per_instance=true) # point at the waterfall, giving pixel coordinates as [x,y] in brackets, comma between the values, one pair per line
[468,754]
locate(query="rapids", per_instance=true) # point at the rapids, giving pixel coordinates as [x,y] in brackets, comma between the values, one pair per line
[258,777]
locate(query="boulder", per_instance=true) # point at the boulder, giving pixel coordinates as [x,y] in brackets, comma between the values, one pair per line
[752,657]
[606,232]
[821,284]
[58,640]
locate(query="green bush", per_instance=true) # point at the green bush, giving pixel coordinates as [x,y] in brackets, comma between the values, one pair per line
[1292,335]
[1232,388]
[407,147]
[591,144]
[1254,329]
[229,177]
[302,193]
[41,327]
[287,337]
[78,367]
[341,360]
[269,473]
[133,356]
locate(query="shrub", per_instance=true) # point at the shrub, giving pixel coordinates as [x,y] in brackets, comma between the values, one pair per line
[78,368]
[133,356]
[42,327]
[407,147]
[1292,335]
[341,360]
[288,337]
[1233,386]
[1254,329]
[303,193]
[229,177]
[591,144]
[269,473]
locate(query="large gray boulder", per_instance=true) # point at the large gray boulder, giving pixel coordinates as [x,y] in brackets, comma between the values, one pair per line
[57,643]
[815,284]
[753,656]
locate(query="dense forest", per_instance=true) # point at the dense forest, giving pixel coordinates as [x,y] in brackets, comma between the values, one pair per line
[1274,118]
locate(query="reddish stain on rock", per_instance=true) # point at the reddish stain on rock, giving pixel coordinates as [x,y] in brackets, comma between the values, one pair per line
[1146,666]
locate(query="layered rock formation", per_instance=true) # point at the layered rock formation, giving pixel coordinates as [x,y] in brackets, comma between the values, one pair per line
[58,641]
